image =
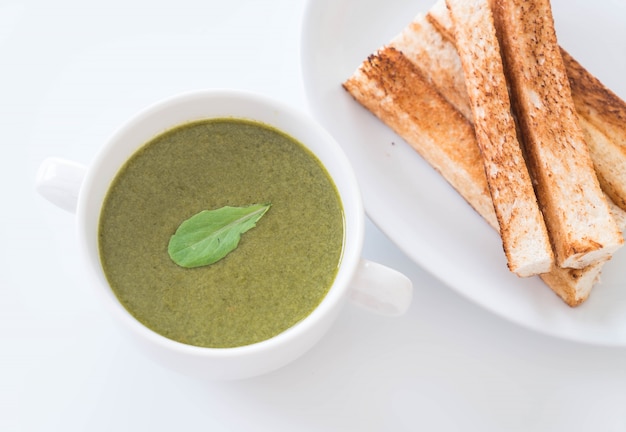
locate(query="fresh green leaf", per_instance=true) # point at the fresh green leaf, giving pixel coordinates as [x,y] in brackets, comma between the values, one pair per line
[210,235]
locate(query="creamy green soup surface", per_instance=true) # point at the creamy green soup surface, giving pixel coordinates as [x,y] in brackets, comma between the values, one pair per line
[281,269]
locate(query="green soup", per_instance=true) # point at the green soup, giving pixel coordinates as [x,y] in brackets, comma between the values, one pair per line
[281,269]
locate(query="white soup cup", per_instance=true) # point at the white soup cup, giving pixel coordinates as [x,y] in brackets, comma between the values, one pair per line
[82,190]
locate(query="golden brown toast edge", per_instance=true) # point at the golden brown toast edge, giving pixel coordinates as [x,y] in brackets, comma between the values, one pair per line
[522,228]
[601,112]
[577,215]
[389,85]
[603,117]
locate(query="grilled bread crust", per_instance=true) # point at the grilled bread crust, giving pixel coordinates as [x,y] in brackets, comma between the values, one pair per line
[423,44]
[601,112]
[522,226]
[603,117]
[389,86]
[439,17]
[575,210]
[399,93]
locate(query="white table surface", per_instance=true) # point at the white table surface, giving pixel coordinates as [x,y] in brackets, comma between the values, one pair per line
[72,72]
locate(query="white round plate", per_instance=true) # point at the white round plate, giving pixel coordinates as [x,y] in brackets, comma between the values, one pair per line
[414,206]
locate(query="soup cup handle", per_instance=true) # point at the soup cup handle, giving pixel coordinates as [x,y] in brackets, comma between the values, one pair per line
[380,289]
[59,181]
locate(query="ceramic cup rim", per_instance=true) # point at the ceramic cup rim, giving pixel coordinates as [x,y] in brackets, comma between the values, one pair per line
[110,159]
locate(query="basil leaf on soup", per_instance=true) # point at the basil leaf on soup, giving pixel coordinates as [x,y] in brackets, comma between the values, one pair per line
[210,235]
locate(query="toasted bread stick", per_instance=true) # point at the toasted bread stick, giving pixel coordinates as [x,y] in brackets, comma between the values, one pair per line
[439,17]
[576,212]
[522,227]
[603,117]
[601,112]
[436,58]
[435,55]
[394,90]
[423,45]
